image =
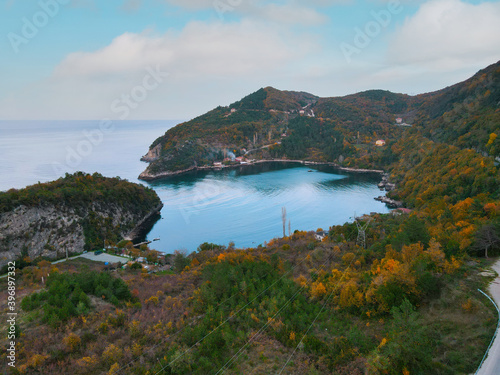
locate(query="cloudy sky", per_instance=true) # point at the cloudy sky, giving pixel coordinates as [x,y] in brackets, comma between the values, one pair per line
[176,59]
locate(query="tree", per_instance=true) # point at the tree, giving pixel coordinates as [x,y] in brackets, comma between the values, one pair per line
[181,260]
[408,347]
[487,238]
[416,230]
[283,219]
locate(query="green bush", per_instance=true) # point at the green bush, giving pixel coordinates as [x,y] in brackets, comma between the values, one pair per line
[67,295]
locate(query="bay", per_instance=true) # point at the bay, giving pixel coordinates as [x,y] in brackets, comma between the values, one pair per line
[241,205]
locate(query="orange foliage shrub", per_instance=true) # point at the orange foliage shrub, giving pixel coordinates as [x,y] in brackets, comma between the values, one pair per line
[435,253]
[469,306]
[492,209]
[452,265]
[301,280]
[318,290]
[72,342]
[37,361]
[350,295]
[114,370]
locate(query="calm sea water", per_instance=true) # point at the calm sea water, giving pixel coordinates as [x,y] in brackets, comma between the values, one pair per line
[241,205]
[32,151]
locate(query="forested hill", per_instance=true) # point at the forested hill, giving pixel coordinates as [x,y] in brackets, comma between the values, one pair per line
[403,301]
[298,125]
[74,213]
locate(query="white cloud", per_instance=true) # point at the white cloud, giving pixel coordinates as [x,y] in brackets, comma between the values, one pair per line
[448,35]
[200,49]
[194,4]
[209,64]
[216,63]
[131,5]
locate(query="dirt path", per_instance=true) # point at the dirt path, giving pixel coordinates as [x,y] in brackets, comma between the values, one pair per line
[491,365]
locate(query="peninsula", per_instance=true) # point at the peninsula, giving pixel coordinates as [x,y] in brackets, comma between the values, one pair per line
[357,131]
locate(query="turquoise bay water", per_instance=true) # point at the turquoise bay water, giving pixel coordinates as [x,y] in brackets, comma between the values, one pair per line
[245,205]
[241,205]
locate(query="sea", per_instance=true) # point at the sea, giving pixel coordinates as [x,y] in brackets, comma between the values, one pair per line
[242,205]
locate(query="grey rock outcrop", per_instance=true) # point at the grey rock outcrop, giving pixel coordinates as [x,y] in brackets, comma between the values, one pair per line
[50,231]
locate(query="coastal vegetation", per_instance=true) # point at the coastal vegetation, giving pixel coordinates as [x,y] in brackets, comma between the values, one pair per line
[406,303]
[80,190]
[298,304]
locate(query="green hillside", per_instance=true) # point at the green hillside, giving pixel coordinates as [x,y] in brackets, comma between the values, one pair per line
[339,129]
[404,301]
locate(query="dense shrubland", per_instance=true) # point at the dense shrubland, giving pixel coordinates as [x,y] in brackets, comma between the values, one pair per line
[394,306]
[80,190]
[67,295]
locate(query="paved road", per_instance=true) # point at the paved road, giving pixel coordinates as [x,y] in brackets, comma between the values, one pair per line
[97,258]
[104,257]
[491,365]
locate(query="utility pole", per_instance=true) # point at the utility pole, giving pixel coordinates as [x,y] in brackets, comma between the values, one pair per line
[361,240]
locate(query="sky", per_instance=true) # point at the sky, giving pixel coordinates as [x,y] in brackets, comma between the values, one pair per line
[177,59]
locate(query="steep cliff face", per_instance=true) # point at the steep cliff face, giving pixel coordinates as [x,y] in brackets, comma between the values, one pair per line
[34,223]
[51,231]
[39,231]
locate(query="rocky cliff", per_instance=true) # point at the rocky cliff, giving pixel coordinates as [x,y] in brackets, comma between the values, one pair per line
[41,227]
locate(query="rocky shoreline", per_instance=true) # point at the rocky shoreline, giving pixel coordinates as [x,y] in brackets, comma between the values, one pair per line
[145,225]
[388,186]
[391,203]
[146,176]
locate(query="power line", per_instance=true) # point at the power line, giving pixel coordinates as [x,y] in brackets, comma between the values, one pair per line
[173,335]
[238,353]
[319,313]
[232,316]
